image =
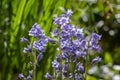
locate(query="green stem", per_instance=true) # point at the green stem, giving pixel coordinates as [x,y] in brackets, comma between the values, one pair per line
[86,68]
[34,61]
[34,68]
[73,68]
[60,77]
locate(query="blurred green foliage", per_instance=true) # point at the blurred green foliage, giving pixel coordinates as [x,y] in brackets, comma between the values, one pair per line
[17,17]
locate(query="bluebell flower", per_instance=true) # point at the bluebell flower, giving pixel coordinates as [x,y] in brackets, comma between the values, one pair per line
[55,32]
[69,13]
[73,51]
[39,57]
[64,56]
[70,75]
[73,31]
[43,42]
[77,76]
[51,40]
[79,33]
[58,58]
[83,44]
[80,68]
[95,60]
[57,21]
[64,21]
[28,77]
[76,44]
[30,73]
[66,27]
[40,46]
[94,42]
[65,36]
[56,65]
[65,69]
[65,44]
[48,76]
[65,73]
[95,47]
[95,37]
[25,40]
[36,31]
[61,20]
[21,76]
[27,49]
[79,54]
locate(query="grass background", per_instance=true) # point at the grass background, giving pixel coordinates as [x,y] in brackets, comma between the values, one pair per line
[18,16]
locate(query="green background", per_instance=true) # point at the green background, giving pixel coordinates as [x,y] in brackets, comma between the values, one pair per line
[18,16]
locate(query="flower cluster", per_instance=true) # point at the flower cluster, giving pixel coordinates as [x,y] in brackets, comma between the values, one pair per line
[35,48]
[73,48]
[73,45]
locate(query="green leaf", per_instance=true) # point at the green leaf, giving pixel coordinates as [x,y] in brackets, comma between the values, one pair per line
[91,78]
[17,20]
[108,58]
[28,8]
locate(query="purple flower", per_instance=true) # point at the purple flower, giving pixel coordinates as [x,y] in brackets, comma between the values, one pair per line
[65,35]
[76,44]
[73,51]
[36,31]
[51,40]
[83,44]
[95,37]
[43,42]
[61,20]
[39,57]
[65,44]
[66,27]
[70,75]
[28,49]
[21,76]
[79,33]
[48,76]
[65,73]
[95,60]
[29,76]
[94,42]
[80,54]
[57,21]
[95,47]
[64,56]
[30,73]
[65,69]
[40,46]
[77,76]
[69,13]
[56,65]
[25,40]
[55,32]
[58,58]
[64,20]
[80,68]
[73,31]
